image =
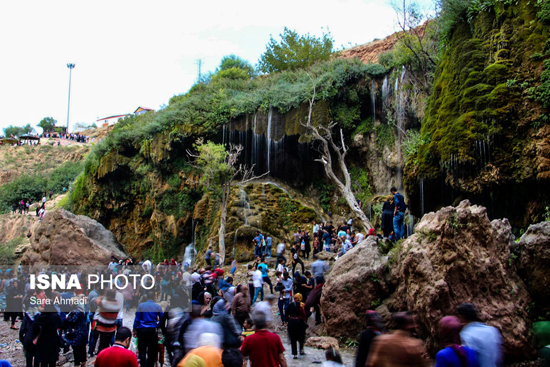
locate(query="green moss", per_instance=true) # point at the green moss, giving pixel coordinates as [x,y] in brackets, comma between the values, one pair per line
[471,99]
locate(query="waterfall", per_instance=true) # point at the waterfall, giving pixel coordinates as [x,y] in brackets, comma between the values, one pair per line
[400,117]
[243,198]
[385,89]
[421,182]
[189,256]
[270,115]
[373,99]
[409,225]
[235,242]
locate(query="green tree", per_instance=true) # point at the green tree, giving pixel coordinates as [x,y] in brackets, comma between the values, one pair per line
[236,62]
[219,174]
[17,130]
[295,51]
[47,123]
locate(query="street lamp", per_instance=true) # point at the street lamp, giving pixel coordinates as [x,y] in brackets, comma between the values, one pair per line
[71,67]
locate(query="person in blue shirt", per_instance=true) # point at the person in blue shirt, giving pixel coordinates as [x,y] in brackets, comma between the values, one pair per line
[258,244]
[146,322]
[453,354]
[398,214]
[265,274]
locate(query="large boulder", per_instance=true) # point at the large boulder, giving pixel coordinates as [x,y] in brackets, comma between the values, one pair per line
[534,264]
[457,255]
[355,284]
[63,238]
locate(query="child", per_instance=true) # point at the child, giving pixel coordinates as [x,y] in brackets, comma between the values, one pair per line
[248,326]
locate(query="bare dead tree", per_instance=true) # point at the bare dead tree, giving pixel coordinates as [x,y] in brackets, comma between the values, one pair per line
[329,148]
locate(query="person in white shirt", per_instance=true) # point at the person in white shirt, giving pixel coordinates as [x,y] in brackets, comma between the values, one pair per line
[280,254]
[265,308]
[147,266]
[258,280]
[359,237]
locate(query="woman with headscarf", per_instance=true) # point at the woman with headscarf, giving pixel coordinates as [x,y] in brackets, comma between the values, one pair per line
[205,298]
[374,328]
[46,337]
[76,331]
[231,333]
[197,286]
[387,216]
[296,316]
[453,354]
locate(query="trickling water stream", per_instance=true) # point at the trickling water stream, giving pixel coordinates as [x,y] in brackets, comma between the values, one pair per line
[243,197]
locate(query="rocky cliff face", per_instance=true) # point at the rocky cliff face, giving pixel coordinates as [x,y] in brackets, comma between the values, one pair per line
[485,129]
[63,238]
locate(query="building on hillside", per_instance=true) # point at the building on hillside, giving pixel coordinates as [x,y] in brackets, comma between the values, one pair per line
[111,120]
[141,110]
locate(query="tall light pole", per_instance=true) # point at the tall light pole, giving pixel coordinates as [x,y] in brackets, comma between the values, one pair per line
[71,67]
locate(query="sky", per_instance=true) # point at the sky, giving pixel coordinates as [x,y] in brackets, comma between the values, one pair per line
[141,53]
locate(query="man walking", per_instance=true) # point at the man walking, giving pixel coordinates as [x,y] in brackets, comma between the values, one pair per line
[240,307]
[398,214]
[263,348]
[265,274]
[148,316]
[208,256]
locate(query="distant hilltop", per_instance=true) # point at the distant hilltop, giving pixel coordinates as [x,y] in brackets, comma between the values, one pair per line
[369,52]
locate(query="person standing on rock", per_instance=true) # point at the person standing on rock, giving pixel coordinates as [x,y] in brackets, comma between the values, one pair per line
[388,208]
[374,328]
[398,214]
[484,339]
[296,316]
[265,274]
[208,256]
[398,349]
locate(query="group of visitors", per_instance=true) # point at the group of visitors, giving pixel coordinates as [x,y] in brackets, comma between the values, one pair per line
[465,341]
[393,216]
[24,205]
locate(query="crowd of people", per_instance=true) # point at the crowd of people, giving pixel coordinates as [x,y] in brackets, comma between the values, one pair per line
[209,321]
[23,206]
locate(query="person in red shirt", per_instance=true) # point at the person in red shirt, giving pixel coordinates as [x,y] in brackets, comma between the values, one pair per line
[263,348]
[118,355]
